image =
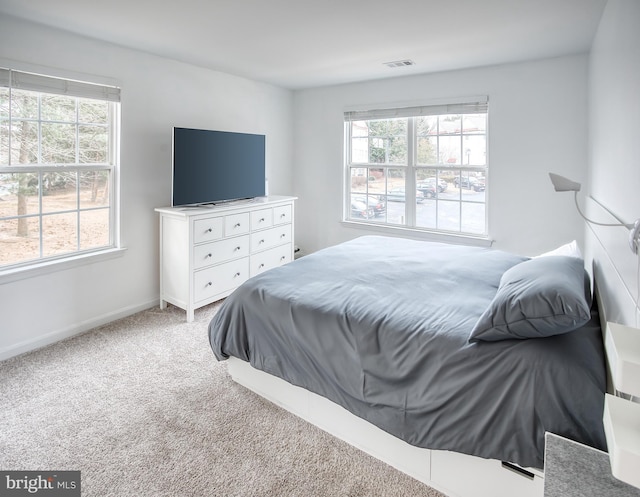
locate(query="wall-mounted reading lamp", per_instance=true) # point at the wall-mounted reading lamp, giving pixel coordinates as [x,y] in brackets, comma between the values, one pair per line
[562,184]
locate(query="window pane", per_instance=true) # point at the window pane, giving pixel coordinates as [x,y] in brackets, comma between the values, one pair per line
[468,180]
[58,108]
[360,150]
[93,111]
[377,180]
[94,189]
[450,124]
[24,142]
[360,206]
[378,153]
[4,143]
[4,126]
[359,128]
[428,183]
[426,214]
[398,150]
[24,104]
[388,141]
[359,179]
[449,216]
[474,123]
[473,218]
[450,150]
[445,182]
[4,103]
[94,144]
[18,194]
[379,141]
[59,234]
[427,125]
[427,149]
[19,239]
[475,150]
[395,196]
[8,187]
[94,229]
[59,191]
[58,143]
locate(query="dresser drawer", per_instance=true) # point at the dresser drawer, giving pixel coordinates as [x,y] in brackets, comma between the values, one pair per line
[272,237]
[261,219]
[206,230]
[270,258]
[217,279]
[236,224]
[282,214]
[223,250]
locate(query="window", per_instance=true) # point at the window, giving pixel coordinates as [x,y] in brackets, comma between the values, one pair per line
[58,154]
[422,168]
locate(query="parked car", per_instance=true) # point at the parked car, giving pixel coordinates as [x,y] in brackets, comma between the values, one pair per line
[441,184]
[361,210]
[470,183]
[428,189]
[398,195]
[376,201]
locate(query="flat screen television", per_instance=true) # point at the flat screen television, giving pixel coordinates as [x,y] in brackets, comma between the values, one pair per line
[212,167]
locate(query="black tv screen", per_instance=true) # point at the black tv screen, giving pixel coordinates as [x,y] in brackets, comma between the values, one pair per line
[216,166]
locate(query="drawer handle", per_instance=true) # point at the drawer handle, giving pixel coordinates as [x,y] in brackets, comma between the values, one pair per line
[208,255]
[236,249]
[209,230]
[236,275]
[260,266]
[282,258]
[261,220]
[237,225]
[282,215]
[209,284]
[261,241]
[518,470]
[283,235]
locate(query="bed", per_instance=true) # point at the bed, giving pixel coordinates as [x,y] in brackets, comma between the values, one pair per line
[445,347]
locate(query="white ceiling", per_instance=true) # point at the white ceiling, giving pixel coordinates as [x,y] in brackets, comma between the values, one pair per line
[307,43]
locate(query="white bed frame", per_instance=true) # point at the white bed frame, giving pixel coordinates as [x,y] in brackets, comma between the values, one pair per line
[452,473]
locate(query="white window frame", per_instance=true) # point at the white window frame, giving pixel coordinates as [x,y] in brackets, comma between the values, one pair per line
[471,105]
[53,85]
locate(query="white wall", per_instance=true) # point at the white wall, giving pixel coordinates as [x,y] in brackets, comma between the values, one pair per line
[157,94]
[537,124]
[614,172]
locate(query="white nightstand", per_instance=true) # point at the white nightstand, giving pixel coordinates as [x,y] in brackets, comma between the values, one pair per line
[621,417]
[622,344]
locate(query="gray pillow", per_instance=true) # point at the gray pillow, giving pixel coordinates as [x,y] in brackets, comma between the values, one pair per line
[540,297]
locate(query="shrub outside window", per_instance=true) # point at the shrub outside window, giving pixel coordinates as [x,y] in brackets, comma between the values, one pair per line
[422,168]
[58,158]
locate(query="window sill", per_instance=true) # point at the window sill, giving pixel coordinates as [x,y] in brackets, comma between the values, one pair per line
[42,268]
[479,241]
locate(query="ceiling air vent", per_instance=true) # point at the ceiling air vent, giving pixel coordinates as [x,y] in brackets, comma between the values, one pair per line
[400,63]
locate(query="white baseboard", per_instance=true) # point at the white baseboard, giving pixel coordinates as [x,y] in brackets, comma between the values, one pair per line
[75,329]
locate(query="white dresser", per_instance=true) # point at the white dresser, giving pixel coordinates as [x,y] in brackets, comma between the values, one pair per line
[207,252]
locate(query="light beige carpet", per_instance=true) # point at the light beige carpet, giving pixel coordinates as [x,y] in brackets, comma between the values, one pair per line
[142,408]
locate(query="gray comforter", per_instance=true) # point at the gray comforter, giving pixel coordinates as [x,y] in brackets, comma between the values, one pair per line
[381,325]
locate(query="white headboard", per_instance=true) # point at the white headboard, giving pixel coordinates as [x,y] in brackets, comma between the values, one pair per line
[613,266]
